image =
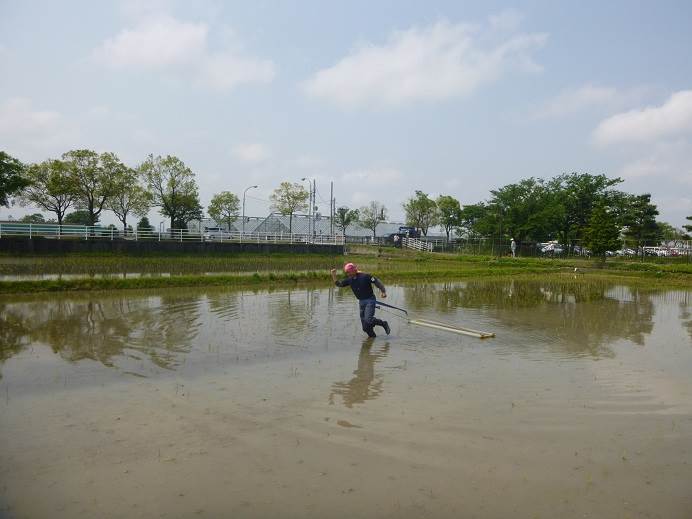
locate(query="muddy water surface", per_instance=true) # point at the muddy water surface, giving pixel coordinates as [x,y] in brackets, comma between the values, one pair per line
[213,403]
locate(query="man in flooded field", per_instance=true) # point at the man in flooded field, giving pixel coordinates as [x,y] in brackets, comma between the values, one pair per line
[361,284]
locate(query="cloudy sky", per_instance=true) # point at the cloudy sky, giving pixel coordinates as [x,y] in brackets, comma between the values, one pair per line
[380,97]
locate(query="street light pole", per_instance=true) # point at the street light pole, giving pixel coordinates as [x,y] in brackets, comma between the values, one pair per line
[243,228]
[309,205]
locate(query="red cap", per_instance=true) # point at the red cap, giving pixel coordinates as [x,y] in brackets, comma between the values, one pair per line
[350,267]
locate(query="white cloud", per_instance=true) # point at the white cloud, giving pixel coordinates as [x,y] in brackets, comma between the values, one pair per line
[435,62]
[507,20]
[251,153]
[139,9]
[99,112]
[33,133]
[575,100]
[4,53]
[374,177]
[308,162]
[223,71]
[18,116]
[162,42]
[655,145]
[669,161]
[672,118]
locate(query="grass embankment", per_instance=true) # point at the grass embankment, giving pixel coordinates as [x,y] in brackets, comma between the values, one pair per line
[109,272]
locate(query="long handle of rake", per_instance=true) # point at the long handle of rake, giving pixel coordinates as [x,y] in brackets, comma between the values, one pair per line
[392,306]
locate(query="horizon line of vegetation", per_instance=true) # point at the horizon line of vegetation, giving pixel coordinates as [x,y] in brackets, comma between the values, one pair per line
[570,208]
[666,277]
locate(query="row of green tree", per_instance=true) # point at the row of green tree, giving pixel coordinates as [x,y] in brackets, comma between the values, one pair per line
[92,183]
[569,208]
[572,208]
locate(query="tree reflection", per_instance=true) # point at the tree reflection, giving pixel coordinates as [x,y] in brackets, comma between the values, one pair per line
[584,317]
[366,385]
[291,313]
[105,329]
[225,304]
[13,332]
[685,314]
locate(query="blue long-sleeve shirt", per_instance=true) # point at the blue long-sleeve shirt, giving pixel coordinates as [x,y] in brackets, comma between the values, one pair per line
[361,285]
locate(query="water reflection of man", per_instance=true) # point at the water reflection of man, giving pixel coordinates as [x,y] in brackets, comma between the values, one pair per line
[361,284]
[366,385]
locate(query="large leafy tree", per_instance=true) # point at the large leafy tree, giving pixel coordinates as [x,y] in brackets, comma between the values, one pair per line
[12,179]
[94,179]
[50,187]
[144,225]
[602,232]
[173,189]
[577,193]
[33,218]
[372,215]
[474,221]
[288,199]
[448,213]
[190,209]
[129,197]
[421,212]
[345,217]
[79,217]
[688,227]
[639,218]
[224,207]
[528,210]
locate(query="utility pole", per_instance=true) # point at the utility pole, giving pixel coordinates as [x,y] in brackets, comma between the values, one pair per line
[331,208]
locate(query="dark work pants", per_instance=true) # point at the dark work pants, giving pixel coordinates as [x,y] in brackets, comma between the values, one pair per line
[367,316]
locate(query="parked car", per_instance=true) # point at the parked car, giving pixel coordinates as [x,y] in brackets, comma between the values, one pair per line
[551,248]
[216,233]
[408,232]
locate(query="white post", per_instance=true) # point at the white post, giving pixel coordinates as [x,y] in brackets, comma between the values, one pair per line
[29,231]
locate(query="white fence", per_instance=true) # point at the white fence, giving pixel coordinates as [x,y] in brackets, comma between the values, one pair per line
[413,243]
[79,232]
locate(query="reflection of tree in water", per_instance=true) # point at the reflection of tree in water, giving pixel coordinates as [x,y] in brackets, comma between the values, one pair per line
[447,297]
[104,329]
[366,385]
[13,333]
[224,305]
[685,314]
[584,317]
[290,313]
[169,329]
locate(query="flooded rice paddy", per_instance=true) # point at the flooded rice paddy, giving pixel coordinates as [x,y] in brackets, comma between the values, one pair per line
[216,403]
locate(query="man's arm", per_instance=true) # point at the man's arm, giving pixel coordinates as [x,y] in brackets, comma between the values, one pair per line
[339,282]
[379,285]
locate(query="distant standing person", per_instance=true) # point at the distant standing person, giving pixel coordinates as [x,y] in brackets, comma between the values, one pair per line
[513,246]
[361,284]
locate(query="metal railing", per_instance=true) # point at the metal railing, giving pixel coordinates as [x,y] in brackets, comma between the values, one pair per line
[67,232]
